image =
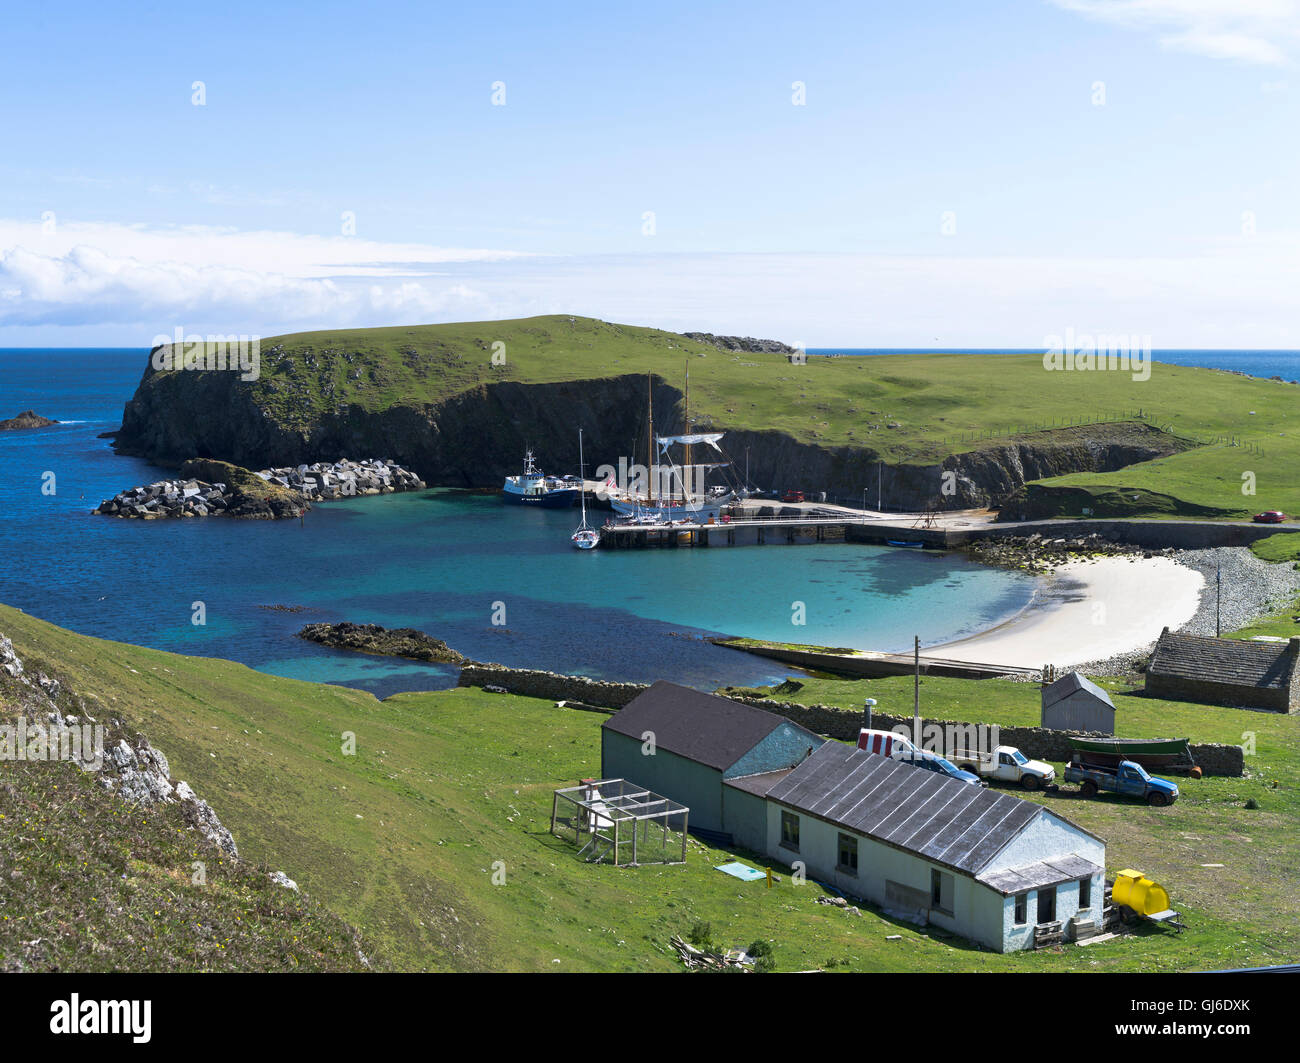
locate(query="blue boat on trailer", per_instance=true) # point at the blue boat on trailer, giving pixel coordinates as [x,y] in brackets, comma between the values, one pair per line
[534,488]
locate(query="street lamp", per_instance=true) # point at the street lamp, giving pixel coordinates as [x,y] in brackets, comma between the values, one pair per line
[868,705]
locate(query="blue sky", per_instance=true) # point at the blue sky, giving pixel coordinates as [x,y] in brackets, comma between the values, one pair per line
[1166,208]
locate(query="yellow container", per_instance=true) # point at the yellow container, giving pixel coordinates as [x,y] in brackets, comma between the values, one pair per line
[1134,890]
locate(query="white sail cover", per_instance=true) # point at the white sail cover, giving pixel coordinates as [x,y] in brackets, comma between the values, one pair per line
[704,437]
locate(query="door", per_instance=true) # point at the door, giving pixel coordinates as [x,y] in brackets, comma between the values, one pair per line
[1047,905]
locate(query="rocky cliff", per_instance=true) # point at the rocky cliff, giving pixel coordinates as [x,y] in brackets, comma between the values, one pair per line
[475,437]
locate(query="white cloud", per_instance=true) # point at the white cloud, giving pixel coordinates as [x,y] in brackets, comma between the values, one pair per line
[1259,32]
[122,286]
[87,274]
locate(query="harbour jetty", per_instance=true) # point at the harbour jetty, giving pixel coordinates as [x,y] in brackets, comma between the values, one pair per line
[207,488]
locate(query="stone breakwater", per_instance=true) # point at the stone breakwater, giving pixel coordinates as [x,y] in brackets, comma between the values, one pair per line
[325,481]
[269,494]
[1036,742]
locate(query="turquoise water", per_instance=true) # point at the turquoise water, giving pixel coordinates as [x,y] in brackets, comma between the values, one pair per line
[446,562]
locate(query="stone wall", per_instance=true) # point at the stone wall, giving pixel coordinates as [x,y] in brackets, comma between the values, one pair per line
[1205,692]
[552,685]
[1038,743]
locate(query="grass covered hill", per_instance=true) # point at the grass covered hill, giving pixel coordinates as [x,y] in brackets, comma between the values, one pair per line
[538,378]
[408,836]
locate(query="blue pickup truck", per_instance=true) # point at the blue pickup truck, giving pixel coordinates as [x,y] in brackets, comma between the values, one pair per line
[1128,778]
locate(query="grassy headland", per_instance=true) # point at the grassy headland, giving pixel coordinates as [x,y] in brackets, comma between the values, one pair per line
[916,410]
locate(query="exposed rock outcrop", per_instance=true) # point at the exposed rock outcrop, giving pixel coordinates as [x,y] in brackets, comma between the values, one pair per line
[128,766]
[371,638]
[741,343]
[218,488]
[26,419]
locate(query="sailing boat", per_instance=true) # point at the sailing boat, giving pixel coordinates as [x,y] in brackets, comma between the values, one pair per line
[677,493]
[584,537]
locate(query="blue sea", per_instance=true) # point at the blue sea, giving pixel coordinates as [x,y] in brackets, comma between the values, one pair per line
[442,561]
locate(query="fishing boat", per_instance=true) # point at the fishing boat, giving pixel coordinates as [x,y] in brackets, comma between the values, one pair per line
[1159,753]
[584,536]
[676,493]
[534,488]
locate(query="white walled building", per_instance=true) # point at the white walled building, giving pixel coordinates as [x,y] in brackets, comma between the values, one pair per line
[982,864]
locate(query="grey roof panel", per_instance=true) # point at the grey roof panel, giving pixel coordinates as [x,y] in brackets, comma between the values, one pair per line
[1237,662]
[1040,874]
[704,728]
[1071,684]
[943,819]
[758,784]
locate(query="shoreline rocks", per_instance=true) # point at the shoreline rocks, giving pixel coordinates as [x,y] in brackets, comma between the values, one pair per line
[371,638]
[26,420]
[1036,554]
[207,488]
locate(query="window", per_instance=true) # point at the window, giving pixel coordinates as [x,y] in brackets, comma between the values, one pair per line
[790,830]
[940,892]
[1022,903]
[848,854]
[1085,893]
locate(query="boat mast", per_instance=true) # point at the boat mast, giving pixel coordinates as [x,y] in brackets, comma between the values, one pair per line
[686,449]
[650,443]
[582,477]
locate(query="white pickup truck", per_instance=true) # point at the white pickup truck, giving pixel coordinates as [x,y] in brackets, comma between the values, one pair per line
[1006,764]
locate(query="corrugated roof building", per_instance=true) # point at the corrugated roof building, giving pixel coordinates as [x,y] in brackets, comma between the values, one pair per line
[978,862]
[1075,703]
[1234,672]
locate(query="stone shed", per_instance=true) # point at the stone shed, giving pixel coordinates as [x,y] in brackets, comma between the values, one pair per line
[1233,672]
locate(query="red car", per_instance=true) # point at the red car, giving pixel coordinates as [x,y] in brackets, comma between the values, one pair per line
[792,496]
[1269,516]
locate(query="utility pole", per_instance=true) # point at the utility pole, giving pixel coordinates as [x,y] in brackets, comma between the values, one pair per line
[916,691]
[879,507]
[1218,583]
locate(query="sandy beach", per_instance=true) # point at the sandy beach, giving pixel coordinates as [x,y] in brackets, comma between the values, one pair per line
[1087,611]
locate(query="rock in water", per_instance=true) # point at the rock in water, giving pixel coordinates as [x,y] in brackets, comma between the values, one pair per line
[371,638]
[26,419]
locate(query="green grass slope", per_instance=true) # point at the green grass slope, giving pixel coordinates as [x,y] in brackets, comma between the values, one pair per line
[402,838]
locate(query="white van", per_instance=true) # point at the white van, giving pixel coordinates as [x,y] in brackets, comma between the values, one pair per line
[885,743]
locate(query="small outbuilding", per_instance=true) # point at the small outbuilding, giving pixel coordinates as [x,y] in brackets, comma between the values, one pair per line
[1075,703]
[712,754]
[1234,672]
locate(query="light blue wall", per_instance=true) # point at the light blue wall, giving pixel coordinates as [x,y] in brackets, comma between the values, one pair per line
[1067,907]
[783,748]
